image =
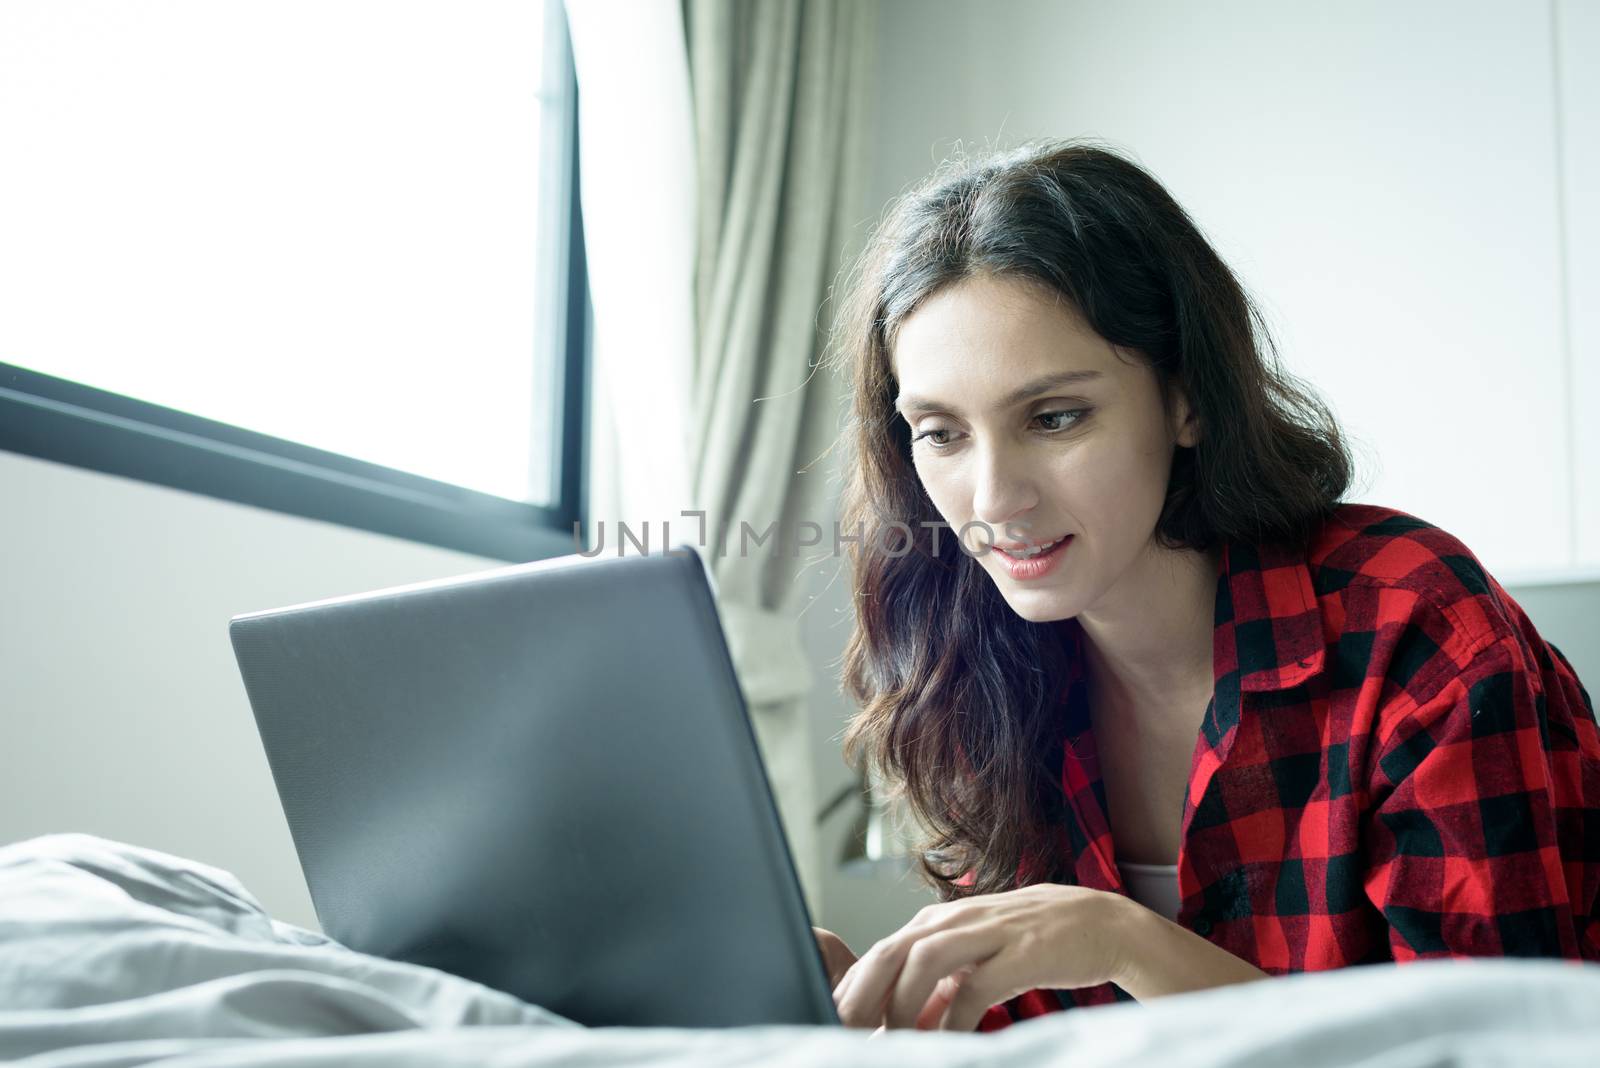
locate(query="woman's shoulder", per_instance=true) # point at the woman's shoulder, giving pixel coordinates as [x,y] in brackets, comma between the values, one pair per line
[1391,580]
[1404,565]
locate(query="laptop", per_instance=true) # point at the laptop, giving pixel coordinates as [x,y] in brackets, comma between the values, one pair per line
[541,777]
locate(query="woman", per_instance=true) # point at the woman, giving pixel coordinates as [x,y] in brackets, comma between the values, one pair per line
[1171,713]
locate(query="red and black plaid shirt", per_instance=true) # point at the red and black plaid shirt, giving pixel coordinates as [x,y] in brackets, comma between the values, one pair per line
[1394,765]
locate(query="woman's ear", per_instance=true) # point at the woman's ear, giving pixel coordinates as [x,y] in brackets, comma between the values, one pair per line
[1186,421]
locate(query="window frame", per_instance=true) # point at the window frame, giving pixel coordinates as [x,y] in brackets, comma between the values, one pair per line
[68,422]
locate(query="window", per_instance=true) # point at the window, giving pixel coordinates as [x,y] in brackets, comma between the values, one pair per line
[321,257]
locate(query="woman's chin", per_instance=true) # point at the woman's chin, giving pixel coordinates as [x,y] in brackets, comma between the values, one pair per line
[1036,606]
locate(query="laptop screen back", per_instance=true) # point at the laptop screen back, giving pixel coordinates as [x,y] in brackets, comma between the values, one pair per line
[542,778]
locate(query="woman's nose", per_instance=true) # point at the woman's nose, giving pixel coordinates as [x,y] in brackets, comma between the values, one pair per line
[1004,489]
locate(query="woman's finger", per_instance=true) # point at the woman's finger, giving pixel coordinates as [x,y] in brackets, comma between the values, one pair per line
[836,955]
[843,985]
[978,991]
[929,960]
[944,990]
[841,992]
[862,1003]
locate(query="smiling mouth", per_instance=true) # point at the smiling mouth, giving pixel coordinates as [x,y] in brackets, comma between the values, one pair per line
[1030,553]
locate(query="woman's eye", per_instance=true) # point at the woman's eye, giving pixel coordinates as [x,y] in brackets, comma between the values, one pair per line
[1076,413]
[1060,421]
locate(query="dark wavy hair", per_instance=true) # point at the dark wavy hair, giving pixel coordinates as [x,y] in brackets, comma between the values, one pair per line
[959,697]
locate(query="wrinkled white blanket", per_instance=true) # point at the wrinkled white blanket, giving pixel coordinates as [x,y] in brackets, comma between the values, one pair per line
[112,955]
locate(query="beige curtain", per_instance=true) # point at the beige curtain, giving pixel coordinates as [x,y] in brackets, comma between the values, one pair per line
[777,93]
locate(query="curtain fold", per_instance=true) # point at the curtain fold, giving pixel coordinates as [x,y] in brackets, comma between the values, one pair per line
[763,107]
[779,93]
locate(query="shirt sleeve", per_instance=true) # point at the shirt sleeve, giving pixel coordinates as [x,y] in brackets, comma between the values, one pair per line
[995,1018]
[1471,793]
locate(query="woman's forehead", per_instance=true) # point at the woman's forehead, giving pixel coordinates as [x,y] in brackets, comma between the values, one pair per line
[985,341]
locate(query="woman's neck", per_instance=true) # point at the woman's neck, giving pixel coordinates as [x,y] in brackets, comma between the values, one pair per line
[1148,644]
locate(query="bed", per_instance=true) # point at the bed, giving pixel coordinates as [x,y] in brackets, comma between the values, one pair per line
[116,955]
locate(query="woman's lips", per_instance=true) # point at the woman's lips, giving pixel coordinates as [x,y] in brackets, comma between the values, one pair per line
[1037,566]
[1016,547]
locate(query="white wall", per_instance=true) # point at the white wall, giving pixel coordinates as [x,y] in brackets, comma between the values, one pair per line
[121,709]
[1577,26]
[1384,177]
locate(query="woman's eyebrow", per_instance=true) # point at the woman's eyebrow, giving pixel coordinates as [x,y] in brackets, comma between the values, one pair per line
[1044,384]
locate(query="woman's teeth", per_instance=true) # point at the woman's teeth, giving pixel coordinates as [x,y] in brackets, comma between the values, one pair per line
[1023,554]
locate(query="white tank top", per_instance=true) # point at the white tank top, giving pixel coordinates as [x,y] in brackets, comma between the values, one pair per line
[1155,886]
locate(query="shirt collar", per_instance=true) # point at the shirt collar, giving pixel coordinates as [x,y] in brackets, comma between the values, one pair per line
[1268,621]
[1268,625]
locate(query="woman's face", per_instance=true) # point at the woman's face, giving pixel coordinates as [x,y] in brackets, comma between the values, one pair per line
[1088,458]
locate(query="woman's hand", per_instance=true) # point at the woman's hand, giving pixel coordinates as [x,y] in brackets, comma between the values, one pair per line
[955,959]
[836,956]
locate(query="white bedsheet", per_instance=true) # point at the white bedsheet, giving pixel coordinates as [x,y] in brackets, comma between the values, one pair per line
[112,955]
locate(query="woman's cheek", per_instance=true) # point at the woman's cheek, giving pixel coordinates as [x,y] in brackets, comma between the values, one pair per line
[1089,480]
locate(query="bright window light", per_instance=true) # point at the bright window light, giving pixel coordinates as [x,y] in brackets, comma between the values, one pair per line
[325,221]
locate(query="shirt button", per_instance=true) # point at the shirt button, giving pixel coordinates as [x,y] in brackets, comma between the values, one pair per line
[1202,927]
